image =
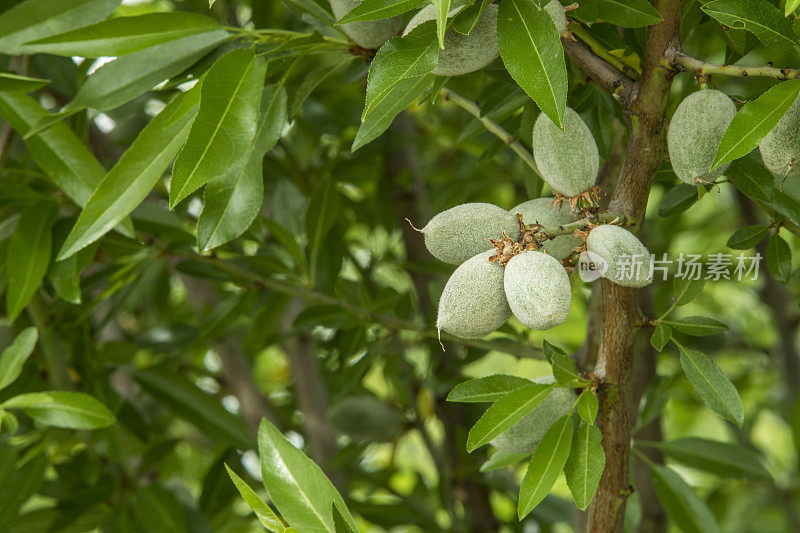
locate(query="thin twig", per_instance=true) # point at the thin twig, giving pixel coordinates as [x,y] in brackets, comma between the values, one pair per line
[704,68]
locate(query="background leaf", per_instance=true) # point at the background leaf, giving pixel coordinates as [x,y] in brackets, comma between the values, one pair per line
[73,410]
[14,356]
[712,385]
[681,503]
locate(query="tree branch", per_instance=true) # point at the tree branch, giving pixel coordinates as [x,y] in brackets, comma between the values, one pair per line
[703,68]
[620,313]
[601,71]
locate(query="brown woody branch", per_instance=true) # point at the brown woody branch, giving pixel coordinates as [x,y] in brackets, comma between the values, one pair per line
[601,71]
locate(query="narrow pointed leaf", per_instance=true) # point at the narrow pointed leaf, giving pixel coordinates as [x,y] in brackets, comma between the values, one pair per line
[585,464]
[13,358]
[754,120]
[660,337]
[131,75]
[506,412]
[400,97]
[712,385]
[587,406]
[752,178]
[123,35]
[379,9]
[225,125]
[28,255]
[232,202]
[686,289]
[720,458]
[296,485]
[746,237]
[681,503]
[697,326]
[129,182]
[627,13]
[442,8]
[564,369]
[401,58]
[759,17]
[779,259]
[546,464]
[263,512]
[531,50]
[36,19]
[73,410]
[14,83]
[487,389]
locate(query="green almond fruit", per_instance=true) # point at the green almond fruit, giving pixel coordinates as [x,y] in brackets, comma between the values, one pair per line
[463,54]
[455,235]
[524,436]
[694,134]
[568,160]
[541,211]
[368,34]
[627,259]
[365,418]
[538,290]
[556,11]
[780,148]
[473,303]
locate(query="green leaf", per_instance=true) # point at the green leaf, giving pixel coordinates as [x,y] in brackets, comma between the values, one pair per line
[790,7]
[486,389]
[531,50]
[36,19]
[13,83]
[21,480]
[678,199]
[131,75]
[754,120]
[321,214]
[399,98]
[129,182]
[786,206]
[189,402]
[587,406]
[468,17]
[564,369]
[73,410]
[340,524]
[627,13]
[14,356]
[759,17]
[752,178]
[547,462]
[680,502]
[660,337]
[379,9]
[747,237]
[28,255]
[585,465]
[501,459]
[233,201]
[779,259]
[697,326]
[263,512]
[58,151]
[442,9]
[712,385]
[720,458]
[401,58]
[123,35]
[684,290]
[157,509]
[296,485]
[506,412]
[225,125]
[550,350]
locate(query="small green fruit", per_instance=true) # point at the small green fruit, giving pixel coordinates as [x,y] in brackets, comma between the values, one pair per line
[538,290]
[628,261]
[541,211]
[524,436]
[695,132]
[568,160]
[463,54]
[556,11]
[455,235]
[365,418]
[369,34]
[473,303]
[780,148]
